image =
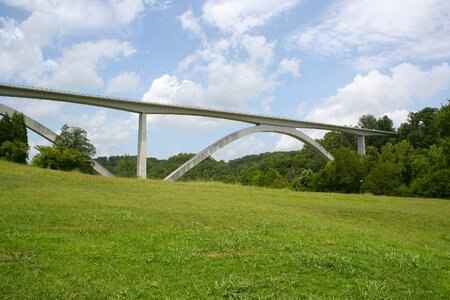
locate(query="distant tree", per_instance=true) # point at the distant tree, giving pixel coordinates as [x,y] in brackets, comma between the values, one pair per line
[336,140]
[126,166]
[258,178]
[370,122]
[273,179]
[304,181]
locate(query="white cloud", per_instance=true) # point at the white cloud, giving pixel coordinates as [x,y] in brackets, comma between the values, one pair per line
[230,83]
[190,23]
[398,116]
[240,16]
[124,82]
[22,44]
[36,109]
[77,68]
[289,66]
[232,71]
[381,31]
[159,4]
[126,10]
[380,94]
[245,146]
[288,143]
[106,133]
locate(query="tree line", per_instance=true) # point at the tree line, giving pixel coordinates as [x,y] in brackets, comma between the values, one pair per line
[414,163]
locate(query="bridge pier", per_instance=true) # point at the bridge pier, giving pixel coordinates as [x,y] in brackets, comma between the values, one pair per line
[362,144]
[141,170]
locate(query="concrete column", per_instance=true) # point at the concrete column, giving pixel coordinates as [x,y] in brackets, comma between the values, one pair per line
[142,147]
[362,144]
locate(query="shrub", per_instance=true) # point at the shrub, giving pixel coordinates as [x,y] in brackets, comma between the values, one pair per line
[15,151]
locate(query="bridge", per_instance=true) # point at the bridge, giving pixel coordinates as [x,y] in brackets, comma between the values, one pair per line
[262,123]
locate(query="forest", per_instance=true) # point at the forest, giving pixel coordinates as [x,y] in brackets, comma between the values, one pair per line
[414,163]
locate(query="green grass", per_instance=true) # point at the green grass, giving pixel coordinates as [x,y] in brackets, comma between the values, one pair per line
[69,235]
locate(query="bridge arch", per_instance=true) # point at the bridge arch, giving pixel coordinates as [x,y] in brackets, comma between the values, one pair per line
[208,151]
[47,134]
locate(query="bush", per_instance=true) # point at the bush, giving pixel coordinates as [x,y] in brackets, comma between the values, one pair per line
[61,159]
[304,181]
[435,185]
[15,151]
[383,179]
[344,174]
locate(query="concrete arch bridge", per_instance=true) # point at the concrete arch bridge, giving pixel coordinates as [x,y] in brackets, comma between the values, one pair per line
[260,123]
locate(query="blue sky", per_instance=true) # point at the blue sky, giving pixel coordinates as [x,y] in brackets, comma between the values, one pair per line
[326,61]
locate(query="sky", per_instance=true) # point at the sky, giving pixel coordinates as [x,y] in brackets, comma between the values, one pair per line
[314,60]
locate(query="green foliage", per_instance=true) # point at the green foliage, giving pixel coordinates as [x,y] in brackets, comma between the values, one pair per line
[63,159]
[304,182]
[370,122]
[442,121]
[434,185]
[75,138]
[13,138]
[15,151]
[273,179]
[383,179]
[71,151]
[343,174]
[420,129]
[258,178]
[126,166]
[336,140]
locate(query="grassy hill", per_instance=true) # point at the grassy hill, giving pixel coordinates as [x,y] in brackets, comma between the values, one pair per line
[69,235]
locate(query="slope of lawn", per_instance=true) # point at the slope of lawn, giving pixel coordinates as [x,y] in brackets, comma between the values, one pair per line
[69,235]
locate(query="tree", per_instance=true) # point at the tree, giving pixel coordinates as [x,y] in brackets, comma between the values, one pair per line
[75,138]
[344,174]
[442,121]
[258,178]
[383,179]
[13,130]
[304,181]
[126,166]
[370,122]
[420,129]
[274,179]
[71,151]
[335,140]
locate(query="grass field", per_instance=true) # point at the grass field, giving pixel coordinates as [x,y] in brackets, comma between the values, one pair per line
[69,235]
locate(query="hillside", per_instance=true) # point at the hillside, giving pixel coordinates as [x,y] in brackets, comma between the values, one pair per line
[69,235]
